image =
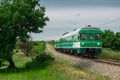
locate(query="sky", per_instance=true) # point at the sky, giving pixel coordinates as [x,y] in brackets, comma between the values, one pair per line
[67,15]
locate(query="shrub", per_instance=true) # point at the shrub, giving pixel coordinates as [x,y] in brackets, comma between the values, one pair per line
[43,57]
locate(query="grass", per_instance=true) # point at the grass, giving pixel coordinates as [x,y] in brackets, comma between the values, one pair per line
[75,72]
[47,70]
[38,47]
[108,53]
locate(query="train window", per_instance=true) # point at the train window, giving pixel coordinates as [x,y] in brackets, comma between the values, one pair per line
[82,36]
[73,38]
[97,36]
[91,36]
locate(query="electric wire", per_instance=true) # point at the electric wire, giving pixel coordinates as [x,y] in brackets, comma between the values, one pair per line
[109,22]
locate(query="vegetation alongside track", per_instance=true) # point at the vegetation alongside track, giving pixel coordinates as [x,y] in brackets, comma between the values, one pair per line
[111,40]
[28,69]
[108,53]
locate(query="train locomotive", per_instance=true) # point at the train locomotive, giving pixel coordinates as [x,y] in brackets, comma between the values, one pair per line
[84,41]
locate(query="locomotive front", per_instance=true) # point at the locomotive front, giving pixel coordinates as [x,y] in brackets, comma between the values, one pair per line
[90,41]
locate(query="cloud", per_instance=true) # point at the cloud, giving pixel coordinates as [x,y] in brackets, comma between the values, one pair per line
[61,17]
[78,14]
[81,3]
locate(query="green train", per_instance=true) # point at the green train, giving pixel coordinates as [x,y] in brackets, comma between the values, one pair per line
[84,41]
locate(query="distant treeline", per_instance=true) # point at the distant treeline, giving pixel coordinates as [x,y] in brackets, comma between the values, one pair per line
[111,39]
[52,42]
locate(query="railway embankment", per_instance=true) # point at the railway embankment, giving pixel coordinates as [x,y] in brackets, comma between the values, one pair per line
[113,71]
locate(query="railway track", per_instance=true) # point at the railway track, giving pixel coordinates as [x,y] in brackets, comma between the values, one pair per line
[107,61]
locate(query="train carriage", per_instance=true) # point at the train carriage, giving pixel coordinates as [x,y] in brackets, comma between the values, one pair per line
[84,41]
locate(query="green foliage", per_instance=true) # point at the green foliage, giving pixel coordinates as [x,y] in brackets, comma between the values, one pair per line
[38,47]
[111,39]
[108,38]
[17,19]
[43,57]
[117,41]
[52,42]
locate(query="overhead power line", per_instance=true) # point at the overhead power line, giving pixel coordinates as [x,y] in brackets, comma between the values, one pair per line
[109,22]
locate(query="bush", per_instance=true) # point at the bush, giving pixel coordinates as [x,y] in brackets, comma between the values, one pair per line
[43,57]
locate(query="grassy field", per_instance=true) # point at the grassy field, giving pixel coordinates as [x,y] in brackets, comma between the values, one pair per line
[48,70]
[58,69]
[108,53]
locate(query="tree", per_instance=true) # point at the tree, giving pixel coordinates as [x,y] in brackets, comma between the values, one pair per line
[108,39]
[117,41]
[17,19]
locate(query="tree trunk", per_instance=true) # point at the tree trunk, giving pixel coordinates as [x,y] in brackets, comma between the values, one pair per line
[11,63]
[26,54]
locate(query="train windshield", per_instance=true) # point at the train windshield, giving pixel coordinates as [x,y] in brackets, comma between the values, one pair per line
[91,36]
[83,36]
[98,36]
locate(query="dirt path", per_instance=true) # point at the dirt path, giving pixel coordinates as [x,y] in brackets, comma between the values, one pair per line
[105,69]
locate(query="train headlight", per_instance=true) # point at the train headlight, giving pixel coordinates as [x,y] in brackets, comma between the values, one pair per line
[83,44]
[98,44]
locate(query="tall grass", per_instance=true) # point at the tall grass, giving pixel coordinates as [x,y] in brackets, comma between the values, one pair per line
[108,53]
